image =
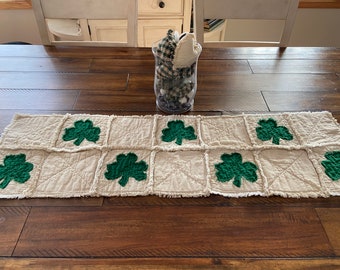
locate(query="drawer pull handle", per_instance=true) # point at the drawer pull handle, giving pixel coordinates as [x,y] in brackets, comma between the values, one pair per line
[161,4]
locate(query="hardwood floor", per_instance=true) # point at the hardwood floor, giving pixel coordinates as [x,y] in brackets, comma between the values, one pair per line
[168,233]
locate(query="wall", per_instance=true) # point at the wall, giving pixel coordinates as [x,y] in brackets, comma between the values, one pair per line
[18,25]
[313,27]
[317,27]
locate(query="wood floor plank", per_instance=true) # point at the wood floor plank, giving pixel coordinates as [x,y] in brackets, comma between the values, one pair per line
[271,53]
[66,81]
[123,65]
[53,202]
[106,100]
[269,82]
[241,101]
[212,200]
[217,200]
[238,102]
[330,218]
[336,115]
[141,83]
[223,67]
[169,264]
[272,201]
[295,66]
[173,232]
[44,64]
[302,100]
[148,66]
[145,53]
[74,52]
[12,220]
[38,99]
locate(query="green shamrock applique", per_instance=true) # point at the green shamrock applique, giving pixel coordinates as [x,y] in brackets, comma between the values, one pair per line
[332,165]
[177,131]
[15,168]
[232,167]
[270,130]
[82,130]
[125,167]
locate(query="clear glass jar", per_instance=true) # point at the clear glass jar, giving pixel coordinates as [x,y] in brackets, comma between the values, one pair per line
[175,89]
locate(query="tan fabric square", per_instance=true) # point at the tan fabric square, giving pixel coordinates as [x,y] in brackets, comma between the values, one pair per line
[32,130]
[180,173]
[67,174]
[290,173]
[316,128]
[131,131]
[225,131]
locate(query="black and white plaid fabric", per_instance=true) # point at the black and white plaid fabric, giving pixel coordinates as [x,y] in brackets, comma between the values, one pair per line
[174,84]
[167,46]
[165,53]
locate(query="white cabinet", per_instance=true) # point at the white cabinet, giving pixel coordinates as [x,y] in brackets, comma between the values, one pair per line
[150,31]
[108,30]
[155,18]
[217,34]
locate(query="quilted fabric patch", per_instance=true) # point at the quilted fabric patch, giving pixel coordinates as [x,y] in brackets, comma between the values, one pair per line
[286,154]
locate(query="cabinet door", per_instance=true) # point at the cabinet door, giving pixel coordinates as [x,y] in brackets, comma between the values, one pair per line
[150,31]
[108,30]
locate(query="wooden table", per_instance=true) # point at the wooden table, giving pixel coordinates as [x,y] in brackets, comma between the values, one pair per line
[162,233]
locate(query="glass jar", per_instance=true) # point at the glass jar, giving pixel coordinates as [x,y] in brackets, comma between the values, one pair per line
[175,88]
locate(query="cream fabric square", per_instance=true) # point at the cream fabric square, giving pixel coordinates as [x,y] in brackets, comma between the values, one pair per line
[290,173]
[180,173]
[281,121]
[131,131]
[316,128]
[318,156]
[98,121]
[225,131]
[21,190]
[228,188]
[67,174]
[32,130]
[162,124]
[112,187]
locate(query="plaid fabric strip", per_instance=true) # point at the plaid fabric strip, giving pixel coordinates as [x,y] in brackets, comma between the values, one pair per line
[166,47]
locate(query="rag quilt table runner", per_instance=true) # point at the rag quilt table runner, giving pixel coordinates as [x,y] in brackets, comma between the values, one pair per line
[286,154]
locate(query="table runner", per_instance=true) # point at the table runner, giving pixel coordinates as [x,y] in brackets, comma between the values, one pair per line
[286,154]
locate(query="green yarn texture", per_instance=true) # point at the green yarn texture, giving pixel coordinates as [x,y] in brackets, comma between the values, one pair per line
[82,130]
[232,167]
[177,132]
[332,165]
[125,167]
[270,130]
[15,168]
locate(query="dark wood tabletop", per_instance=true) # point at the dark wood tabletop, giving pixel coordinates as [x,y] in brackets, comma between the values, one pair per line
[153,232]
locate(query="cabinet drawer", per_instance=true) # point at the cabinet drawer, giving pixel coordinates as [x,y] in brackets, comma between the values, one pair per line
[152,8]
[108,30]
[150,31]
